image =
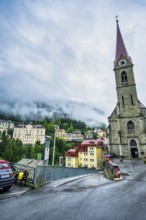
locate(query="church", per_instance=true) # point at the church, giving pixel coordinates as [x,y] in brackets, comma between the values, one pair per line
[127,123]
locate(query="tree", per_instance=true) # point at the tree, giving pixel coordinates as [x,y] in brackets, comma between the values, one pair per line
[51,128]
[65,125]
[3,143]
[8,153]
[71,128]
[30,152]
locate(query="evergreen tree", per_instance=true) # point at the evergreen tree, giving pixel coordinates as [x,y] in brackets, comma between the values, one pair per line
[8,153]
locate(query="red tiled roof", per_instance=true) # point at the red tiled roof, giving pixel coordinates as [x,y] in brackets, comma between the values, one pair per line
[97,142]
[100,142]
[82,148]
[72,153]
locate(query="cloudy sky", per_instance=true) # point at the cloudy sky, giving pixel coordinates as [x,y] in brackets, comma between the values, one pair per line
[60,51]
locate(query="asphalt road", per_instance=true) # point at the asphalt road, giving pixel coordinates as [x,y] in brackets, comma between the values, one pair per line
[90,198]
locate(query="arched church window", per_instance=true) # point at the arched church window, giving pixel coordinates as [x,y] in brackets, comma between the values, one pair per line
[133,143]
[130,127]
[124,78]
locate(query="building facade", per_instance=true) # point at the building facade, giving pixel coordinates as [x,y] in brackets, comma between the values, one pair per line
[29,134]
[74,136]
[71,158]
[2,129]
[127,123]
[88,154]
[6,124]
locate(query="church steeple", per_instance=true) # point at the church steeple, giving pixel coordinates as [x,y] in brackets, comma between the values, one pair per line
[120,47]
[127,123]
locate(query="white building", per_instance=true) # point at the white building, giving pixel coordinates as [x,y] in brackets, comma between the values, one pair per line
[7,124]
[29,134]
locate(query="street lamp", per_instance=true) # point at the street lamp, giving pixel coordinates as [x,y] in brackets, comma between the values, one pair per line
[56,127]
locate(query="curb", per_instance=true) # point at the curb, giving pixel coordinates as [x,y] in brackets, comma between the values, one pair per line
[73,179]
[117,179]
[9,194]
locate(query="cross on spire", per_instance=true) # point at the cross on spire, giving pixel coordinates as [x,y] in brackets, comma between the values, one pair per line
[120,46]
[116,17]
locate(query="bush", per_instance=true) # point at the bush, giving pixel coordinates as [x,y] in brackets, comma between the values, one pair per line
[109,174]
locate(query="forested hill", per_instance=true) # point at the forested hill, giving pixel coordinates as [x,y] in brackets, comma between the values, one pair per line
[37,111]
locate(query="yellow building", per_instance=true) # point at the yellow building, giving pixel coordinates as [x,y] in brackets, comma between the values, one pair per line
[60,133]
[74,136]
[88,154]
[29,134]
[71,158]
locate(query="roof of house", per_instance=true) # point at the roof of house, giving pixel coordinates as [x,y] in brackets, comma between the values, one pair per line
[72,153]
[5,121]
[100,142]
[26,125]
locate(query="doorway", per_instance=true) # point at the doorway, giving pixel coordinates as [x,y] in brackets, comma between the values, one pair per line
[134,150]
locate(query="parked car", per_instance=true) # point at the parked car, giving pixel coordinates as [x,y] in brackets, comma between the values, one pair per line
[113,156]
[109,156]
[6,175]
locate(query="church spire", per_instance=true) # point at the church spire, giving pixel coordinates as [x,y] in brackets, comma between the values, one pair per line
[120,46]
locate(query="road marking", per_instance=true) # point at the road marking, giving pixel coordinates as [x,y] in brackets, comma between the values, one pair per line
[12,194]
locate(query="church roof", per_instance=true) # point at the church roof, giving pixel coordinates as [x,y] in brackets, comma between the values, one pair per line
[141,105]
[120,47]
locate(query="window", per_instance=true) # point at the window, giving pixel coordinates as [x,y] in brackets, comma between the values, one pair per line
[124,78]
[123,101]
[130,127]
[131,100]
[91,149]
[133,143]
[4,165]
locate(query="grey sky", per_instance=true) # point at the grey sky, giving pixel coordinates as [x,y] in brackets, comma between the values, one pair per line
[60,51]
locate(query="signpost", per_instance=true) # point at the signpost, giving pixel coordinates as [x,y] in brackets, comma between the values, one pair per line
[47,150]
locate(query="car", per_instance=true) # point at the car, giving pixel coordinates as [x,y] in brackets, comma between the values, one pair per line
[6,175]
[109,156]
[113,156]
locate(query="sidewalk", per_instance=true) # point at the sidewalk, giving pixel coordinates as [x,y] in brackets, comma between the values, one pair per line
[67,180]
[13,192]
[126,166]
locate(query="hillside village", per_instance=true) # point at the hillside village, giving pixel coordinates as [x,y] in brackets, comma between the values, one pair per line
[73,147]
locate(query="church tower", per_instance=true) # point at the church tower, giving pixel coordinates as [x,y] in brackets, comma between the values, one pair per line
[127,123]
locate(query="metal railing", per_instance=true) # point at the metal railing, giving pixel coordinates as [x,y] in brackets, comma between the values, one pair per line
[46,174]
[41,175]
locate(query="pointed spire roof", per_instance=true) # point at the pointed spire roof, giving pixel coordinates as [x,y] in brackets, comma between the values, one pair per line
[120,47]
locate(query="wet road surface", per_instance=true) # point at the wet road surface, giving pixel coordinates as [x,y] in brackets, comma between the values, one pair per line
[93,197]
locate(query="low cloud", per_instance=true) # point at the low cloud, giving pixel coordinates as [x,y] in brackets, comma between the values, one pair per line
[59,52]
